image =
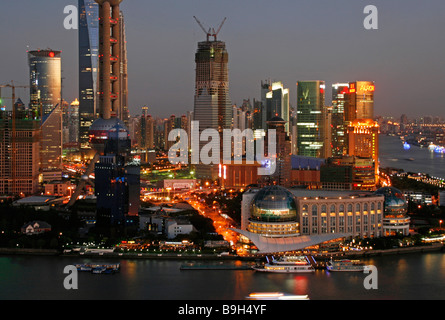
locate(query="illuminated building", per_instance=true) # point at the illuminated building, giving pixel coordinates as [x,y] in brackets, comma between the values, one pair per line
[359,101]
[19,153]
[310,105]
[282,175]
[88,41]
[363,140]
[73,121]
[358,173]
[147,130]
[212,105]
[51,140]
[45,67]
[275,219]
[239,175]
[117,173]
[276,103]
[338,133]
[395,220]
[273,212]
[117,180]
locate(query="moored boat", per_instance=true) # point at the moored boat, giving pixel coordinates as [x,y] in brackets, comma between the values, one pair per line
[286,264]
[345,265]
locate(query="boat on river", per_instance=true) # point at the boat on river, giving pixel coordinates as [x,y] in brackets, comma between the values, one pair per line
[286,264]
[345,265]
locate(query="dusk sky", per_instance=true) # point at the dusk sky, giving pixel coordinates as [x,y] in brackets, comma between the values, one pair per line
[286,40]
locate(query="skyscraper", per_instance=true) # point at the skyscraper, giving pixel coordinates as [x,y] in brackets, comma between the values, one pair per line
[19,153]
[51,140]
[45,68]
[276,103]
[45,75]
[338,137]
[123,112]
[147,130]
[212,105]
[310,108]
[359,101]
[363,141]
[88,38]
[117,174]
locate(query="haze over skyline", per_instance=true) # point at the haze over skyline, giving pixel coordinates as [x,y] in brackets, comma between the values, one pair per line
[283,40]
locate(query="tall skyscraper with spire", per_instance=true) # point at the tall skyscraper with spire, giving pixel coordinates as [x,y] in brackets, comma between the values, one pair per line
[88,41]
[89,60]
[117,184]
[212,104]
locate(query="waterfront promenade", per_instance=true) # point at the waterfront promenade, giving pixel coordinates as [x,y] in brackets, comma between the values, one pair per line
[435,247]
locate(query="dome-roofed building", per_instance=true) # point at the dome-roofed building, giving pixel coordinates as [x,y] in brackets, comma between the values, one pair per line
[273,212]
[395,219]
[274,204]
[395,202]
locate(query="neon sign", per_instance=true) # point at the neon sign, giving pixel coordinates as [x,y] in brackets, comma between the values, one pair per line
[367,88]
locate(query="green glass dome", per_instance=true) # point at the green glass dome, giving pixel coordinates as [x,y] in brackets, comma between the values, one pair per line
[395,202]
[273,204]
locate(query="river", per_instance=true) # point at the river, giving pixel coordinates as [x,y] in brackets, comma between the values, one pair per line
[399,277]
[415,159]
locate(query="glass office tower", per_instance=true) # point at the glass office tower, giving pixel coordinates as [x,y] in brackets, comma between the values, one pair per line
[359,102]
[310,108]
[88,66]
[45,68]
[338,137]
[276,103]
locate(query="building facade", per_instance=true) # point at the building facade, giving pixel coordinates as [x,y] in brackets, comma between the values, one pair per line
[212,104]
[310,108]
[338,133]
[19,153]
[45,74]
[314,212]
[276,103]
[88,41]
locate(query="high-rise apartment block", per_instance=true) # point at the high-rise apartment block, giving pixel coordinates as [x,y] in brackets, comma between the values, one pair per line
[19,153]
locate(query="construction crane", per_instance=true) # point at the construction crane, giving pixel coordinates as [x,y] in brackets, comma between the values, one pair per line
[211,32]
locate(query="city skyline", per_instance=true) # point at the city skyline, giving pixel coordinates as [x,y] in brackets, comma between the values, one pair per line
[300,42]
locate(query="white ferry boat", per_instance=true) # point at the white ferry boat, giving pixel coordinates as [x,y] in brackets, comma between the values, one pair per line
[345,265]
[286,264]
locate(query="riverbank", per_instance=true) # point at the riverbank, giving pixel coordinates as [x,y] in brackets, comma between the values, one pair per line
[436,247]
